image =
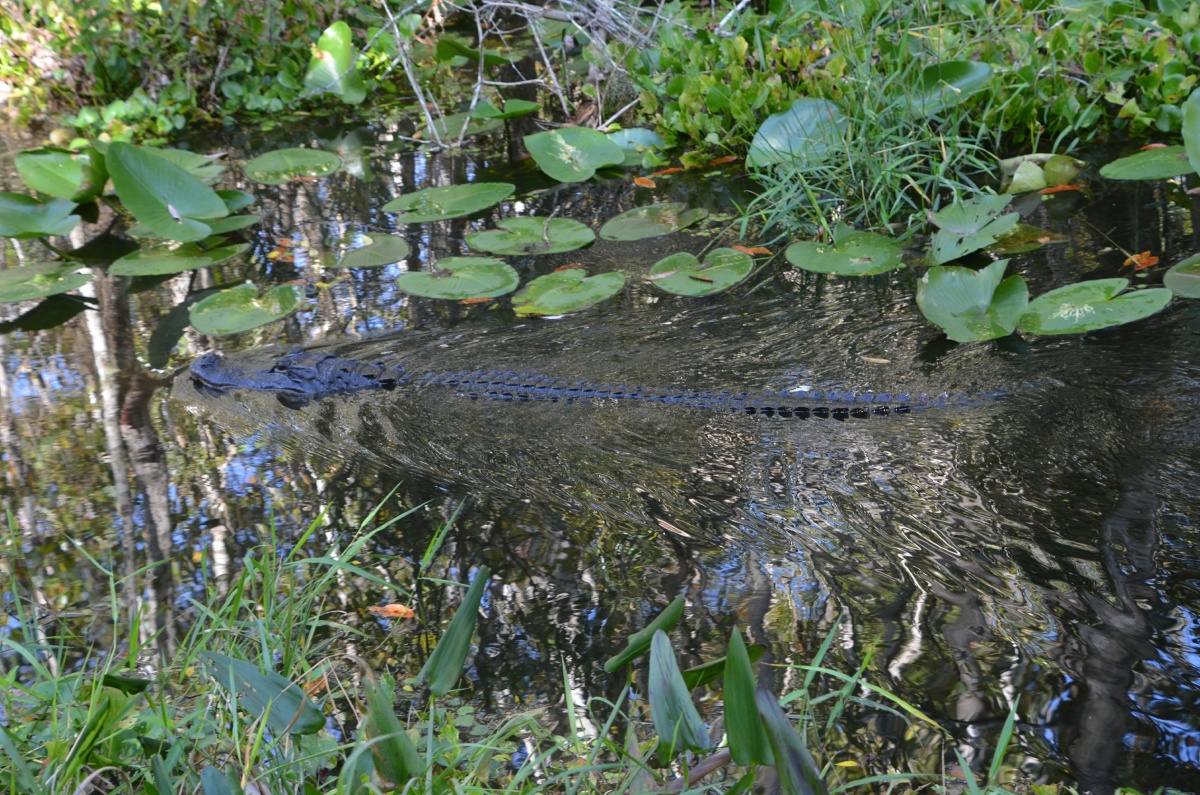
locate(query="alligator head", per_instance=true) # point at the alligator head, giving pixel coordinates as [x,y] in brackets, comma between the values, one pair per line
[296,378]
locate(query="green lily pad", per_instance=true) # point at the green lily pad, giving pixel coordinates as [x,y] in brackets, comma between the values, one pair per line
[162,260]
[853,254]
[803,135]
[205,169]
[513,108]
[522,237]
[236,199]
[973,305]
[462,278]
[683,274]
[451,201]
[378,250]
[283,165]
[161,195]
[947,84]
[22,216]
[1024,238]
[464,125]
[635,142]
[1184,278]
[969,226]
[33,282]
[1162,163]
[449,47]
[1088,306]
[332,67]
[566,291]
[63,174]
[1029,176]
[651,221]
[573,154]
[233,223]
[1191,129]
[240,308]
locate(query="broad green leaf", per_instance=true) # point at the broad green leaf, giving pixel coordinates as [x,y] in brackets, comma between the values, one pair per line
[162,259]
[169,201]
[396,758]
[1184,278]
[651,221]
[461,279]
[449,47]
[379,250]
[519,237]
[573,154]
[713,670]
[34,282]
[973,305]
[1087,306]
[464,125]
[222,226]
[240,308]
[332,68]
[803,135]
[284,165]
[798,772]
[683,274]
[215,782]
[635,141]
[676,720]
[945,85]
[853,254]
[445,664]
[1062,170]
[22,216]
[1162,163]
[205,169]
[1029,176]
[513,108]
[1191,129]
[290,710]
[969,226]
[236,199]
[451,201]
[639,641]
[63,174]
[748,743]
[566,291]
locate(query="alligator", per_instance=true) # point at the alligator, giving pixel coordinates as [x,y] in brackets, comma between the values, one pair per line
[301,377]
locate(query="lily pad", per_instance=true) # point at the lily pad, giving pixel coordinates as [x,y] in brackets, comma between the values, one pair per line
[161,195]
[63,174]
[1184,278]
[1191,129]
[203,168]
[464,125]
[853,254]
[683,274]
[513,108]
[969,226]
[519,237]
[449,47]
[161,260]
[33,282]
[651,221]
[236,199]
[568,290]
[22,216]
[1162,163]
[804,134]
[233,223]
[284,165]
[973,305]
[451,201]
[332,67]
[240,308]
[1029,176]
[379,250]
[462,278]
[635,142]
[573,154]
[1088,306]
[1024,238]
[947,84]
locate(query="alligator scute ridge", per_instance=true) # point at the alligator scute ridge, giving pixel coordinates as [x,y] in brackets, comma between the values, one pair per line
[300,377]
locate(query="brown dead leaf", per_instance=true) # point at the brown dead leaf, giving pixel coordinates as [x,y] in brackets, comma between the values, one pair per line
[720,161]
[315,687]
[875,360]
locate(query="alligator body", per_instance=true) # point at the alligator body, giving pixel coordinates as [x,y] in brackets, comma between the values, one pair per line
[300,377]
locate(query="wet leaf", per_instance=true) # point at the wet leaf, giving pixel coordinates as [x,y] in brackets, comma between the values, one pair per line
[236,199]
[853,254]
[451,201]
[969,226]
[449,47]
[445,664]
[284,165]
[644,182]
[159,260]
[754,250]
[393,611]
[379,250]
[1170,161]
[1191,129]
[513,108]
[23,217]
[1023,238]
[748,743]
[635,142]
[1087,306]
[651,221]
[798,772]
[676,720]
[1183,279]
[973,305]
[639,642]
[1140,262]
[62,173]
[460,278]
[713,670]
[804,134]
[683,274]
[573,154]
[1059,189]
[944,85]
[240,308]
[463,125]
[567,290]
[666,172]
[222,226]
[396,758]
[168,200]
[204,168]
[290,710]
[34,282]
[518,237]
[332,68]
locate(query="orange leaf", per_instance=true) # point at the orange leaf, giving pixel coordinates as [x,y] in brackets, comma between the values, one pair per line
[572,266]
[393,611]
[1058,189]
[1148,147]
[1140,262]
[700,278]
[644,182]
[752,250]
[666,171]
[720,161]
[316,686]
[469,301]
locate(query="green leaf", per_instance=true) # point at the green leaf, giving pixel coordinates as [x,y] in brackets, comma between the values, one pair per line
[945,85]
[1191,129]
[1029,176]
[853,254]
[22,216]
[240,309]
[63,174]
[1087,306]
[651,221]
[513,108]
[236,199]
[332,67]
[203,168]
[445,664]
[451,201]
[635,142]
[1184,278]
[449,47]
[713,670]
[566,291]
[464,125]
[169,201]
[290,710]
[162,259]
[378,250]
[639,642]
[461,279]
[395,757]
[973,305]
[748,743]
[969,226]
[34,282]
[573,154]
[214,782]
[222,226]
[519,237]
[1162,163]
[803,135]
[683,274]
[284,165]
[798,773]
[676,720]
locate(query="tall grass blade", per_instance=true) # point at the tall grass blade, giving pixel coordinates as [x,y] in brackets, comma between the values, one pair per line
[445,665]
[748,743]
[798,773]
[1006,735]
[676,720]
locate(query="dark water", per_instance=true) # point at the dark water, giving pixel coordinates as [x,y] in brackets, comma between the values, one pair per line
[1039,546]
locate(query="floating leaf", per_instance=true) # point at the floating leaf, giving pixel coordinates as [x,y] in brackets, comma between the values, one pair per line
[969,226]
[290,710]
[170,329]
[683,274]
[464,125]
[379,250]
[236,199]
[513,108]
[1028,177]
[63,174]
[449,47]
[34,282]
[233,223]
[332,67]
[284,165]
[635,142]
[651,221]
[973,305]
[804,134]
[1088,306]
[1163,163]
[460,278]
[205,169]
[534,235]
[567,290]
[853,254]
[1184,278]
[452,201]
[1191,129]
[172,203]
[161,259]
[240,308]
[573,154]
[945,85]
[22,216]
[676,720]
[1023,238]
